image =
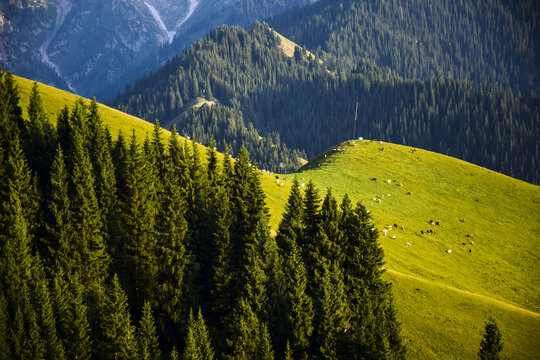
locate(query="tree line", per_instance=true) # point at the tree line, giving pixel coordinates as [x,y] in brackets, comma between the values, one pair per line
[312,107]
[117,248]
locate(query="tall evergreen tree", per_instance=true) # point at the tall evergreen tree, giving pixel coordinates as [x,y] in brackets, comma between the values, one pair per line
[198,344]
[491,344]
[5,346]
[138,221]
[117,332]
[300,304]
[290,226]
[244,332]
[58,217]
[147,339]
[91,257]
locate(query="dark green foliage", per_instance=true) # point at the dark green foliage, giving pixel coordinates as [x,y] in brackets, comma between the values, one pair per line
[90,252]
[183,231]
[198,345]
[300,304]
[290,227]
[117,332]
[491,344]
[243,339]
[148,345]
[482,41]
[310,105]
[139,207]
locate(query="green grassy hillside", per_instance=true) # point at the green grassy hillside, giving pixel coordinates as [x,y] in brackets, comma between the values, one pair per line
[443,298]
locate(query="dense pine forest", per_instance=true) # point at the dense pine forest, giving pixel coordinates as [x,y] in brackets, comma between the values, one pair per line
[485,41]
[300,103]
[117,248]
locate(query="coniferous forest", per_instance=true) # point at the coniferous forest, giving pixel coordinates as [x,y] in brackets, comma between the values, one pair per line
[306,104]
[115,247]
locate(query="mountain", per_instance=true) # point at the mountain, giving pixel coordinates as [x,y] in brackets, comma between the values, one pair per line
[96,48]
[312,107]
[443,298]
[483,41]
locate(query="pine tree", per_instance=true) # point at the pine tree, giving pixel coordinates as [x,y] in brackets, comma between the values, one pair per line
[173,259]
[146,336]
[330,247]
[491,344]
[15,237]
[264,346]
[243,339]
[300,304]
[72,317]
[39,145]
[290,226]
[288,355]
[198,344]
[332,315]
[58,220]
[117,332]
[45,316]
[91,257]
[5,346]
[139,208]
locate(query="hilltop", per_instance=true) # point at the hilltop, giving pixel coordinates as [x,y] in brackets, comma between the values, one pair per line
[443,298]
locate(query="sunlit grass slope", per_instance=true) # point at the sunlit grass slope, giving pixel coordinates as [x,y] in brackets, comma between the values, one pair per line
[55,99]
[443,298]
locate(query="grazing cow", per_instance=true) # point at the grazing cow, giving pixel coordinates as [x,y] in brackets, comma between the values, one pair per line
[408,244]
[302,185]
[277,180]
[470,250]
[449,251]
[385,231]
[437,223]
[373,179]
[388,181]
[422,231]
[409,193]
[470,236]
[400,185]
[393,237]
[436,233]
[472,242]
[281,185]
[379,201]
[402,227]
[395,225]
[462,220]
[463,244]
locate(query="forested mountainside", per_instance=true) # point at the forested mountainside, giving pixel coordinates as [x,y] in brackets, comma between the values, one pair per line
[485,41]
[96,48]
[312,108]
[114,249]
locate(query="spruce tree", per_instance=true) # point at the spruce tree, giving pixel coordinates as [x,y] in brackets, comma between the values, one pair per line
[330,247]
[58,221]
[40,144]
[243,339]
[288,355]
[117,332]
[198,344]
[5,346]
[300,304]
[91,257]
[491,344]
[264,346]
[173,259]
[147,338]
[290,226]
[139,208]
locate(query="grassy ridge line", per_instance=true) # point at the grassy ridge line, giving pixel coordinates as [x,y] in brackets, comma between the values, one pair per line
[55,99]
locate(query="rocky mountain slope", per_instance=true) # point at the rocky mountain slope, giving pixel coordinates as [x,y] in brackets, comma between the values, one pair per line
[95,48]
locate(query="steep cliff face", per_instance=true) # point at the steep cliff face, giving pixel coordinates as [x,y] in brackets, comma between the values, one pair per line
[95,48]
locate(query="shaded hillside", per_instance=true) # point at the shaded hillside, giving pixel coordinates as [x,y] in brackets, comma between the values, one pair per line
[484,41]
[312,108]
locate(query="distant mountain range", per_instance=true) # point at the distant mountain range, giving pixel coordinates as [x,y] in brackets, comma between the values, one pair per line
[95,48]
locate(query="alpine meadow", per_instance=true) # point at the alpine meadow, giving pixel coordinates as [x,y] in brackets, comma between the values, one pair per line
[269,179]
